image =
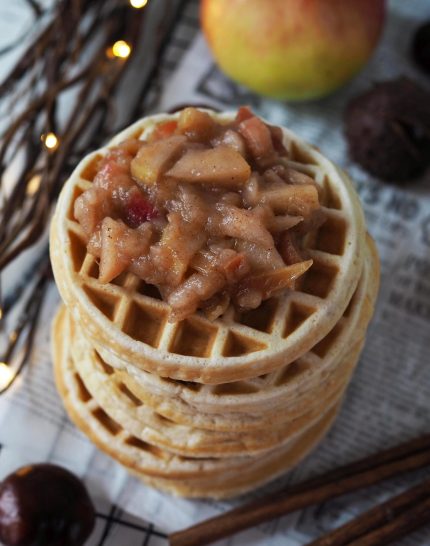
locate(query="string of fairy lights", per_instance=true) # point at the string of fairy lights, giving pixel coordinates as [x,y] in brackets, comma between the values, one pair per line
[6,375]
[120,50]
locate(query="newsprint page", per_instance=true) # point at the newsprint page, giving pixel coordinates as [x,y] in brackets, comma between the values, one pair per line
[389,398]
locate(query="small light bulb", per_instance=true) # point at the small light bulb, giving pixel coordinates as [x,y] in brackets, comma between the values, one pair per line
[34,184]
[121,49]
[50,141]
[6,375]
[138,3]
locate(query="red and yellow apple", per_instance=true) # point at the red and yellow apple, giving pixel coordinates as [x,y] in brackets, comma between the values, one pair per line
[292,49]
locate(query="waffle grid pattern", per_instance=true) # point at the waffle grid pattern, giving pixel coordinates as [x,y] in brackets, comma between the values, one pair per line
[223,397]
[128,302]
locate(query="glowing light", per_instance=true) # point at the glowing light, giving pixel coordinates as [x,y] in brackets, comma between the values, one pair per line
[121,49]
[1,313]
[138,3]
[50,141]
[6,375]
[33,184]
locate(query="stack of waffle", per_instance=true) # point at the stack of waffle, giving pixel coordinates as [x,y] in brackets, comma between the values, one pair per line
[212,409]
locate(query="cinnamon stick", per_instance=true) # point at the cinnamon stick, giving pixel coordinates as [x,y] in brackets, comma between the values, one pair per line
[371,470]
[412,519]
[400,514]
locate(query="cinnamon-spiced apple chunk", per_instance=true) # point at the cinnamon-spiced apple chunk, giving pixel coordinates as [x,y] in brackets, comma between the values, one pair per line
[209,211]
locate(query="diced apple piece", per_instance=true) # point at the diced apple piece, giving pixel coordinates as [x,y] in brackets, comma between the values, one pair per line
[221,166]
[243,113]
[257,137]
[268,283]
[137,208]
[197,125]
[178,244]
[216,306]
[119,246]
[91,207]
[153,159]
[283,222]
[297,200]
[235,268]
[289,249]
[278,140]
[185,299]
[163,130]
[129,147]
[242,224]
[251,191]
[232,139]
[112,263]
[260,257]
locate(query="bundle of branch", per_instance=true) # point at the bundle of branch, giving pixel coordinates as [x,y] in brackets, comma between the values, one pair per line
[61,100]
[71,60]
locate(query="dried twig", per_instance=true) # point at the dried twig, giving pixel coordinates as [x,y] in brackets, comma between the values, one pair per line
[70,54]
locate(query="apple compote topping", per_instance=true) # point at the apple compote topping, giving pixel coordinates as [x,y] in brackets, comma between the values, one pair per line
[207,211]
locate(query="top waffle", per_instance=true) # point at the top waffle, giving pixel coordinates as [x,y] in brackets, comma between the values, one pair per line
[128,316]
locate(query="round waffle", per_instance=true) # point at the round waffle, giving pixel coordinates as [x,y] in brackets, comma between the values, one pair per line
[258,402]
[127,316]
[233,424]
[201,477]
[133,414]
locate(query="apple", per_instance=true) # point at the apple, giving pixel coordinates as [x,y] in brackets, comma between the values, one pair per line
[292,49]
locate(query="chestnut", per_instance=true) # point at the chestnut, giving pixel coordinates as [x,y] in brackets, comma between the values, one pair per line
[44,505]
[421,47]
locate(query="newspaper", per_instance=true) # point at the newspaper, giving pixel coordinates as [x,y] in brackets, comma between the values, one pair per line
[388,399]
